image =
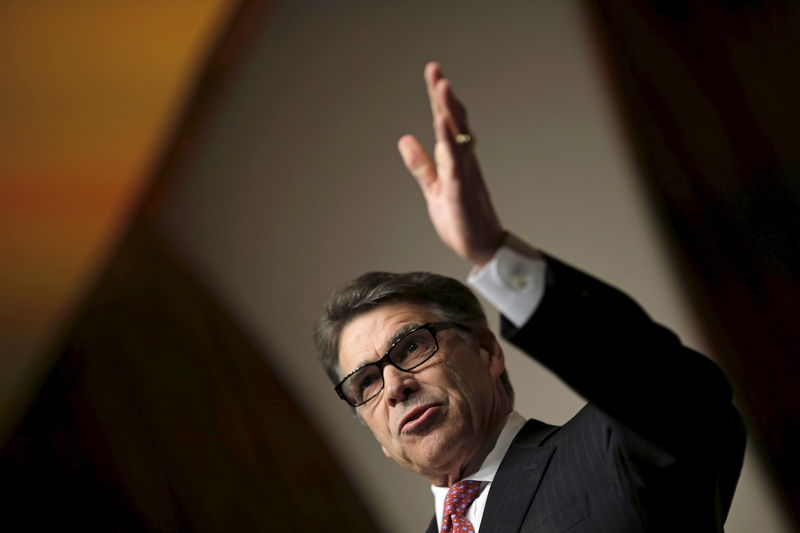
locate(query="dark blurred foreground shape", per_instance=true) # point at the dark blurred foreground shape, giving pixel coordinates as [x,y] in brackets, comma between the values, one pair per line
[159,413]
[709,92]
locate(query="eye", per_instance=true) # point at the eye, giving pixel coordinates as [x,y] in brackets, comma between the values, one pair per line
[405,349]
[365,383]
[414,347]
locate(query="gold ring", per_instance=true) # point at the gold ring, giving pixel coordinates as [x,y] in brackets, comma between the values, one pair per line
[463,139]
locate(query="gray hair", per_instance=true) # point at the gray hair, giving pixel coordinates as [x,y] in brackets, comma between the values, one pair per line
[445,297]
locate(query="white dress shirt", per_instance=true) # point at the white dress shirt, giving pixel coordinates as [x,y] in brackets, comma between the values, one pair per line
[514,283]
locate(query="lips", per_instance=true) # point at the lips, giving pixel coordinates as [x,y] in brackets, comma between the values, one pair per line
[415,414]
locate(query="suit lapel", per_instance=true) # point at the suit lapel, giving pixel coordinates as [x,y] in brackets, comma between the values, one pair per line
[432,526]
[517,479]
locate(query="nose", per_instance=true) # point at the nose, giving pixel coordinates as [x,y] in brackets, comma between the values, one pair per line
[398,385]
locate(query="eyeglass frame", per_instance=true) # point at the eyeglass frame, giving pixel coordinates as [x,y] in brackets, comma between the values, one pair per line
[432,327]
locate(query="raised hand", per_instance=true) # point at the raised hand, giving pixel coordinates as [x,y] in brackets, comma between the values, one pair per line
[458,202]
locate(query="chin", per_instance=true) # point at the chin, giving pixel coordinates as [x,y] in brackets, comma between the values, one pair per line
[438,452]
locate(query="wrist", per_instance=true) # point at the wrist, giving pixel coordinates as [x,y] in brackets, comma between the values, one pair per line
[521,247]
[485,255]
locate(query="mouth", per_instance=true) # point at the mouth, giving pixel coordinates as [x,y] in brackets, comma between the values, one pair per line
[418,417]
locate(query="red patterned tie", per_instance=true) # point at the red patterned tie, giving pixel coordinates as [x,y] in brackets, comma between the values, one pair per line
[458,499]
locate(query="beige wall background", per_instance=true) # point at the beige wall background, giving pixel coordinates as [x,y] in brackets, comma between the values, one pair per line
[299,188]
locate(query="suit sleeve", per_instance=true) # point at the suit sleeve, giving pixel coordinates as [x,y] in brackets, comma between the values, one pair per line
[669,407]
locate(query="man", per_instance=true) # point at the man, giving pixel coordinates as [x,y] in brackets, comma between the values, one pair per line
[658,447]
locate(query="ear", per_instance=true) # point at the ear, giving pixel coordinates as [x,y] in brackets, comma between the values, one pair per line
[490,349]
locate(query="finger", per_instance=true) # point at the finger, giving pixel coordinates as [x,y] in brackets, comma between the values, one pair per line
[456,110]
[417,161]
[444,151]
[453,111]
[433,73]
[443,113]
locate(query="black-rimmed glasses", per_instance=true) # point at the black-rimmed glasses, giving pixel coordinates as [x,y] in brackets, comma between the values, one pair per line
[406,354]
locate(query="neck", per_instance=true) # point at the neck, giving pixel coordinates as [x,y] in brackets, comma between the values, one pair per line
[448,478]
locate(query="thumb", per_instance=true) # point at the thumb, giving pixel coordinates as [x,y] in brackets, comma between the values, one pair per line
[417,161]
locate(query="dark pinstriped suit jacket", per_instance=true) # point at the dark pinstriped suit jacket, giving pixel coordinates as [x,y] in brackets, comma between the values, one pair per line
[658,447]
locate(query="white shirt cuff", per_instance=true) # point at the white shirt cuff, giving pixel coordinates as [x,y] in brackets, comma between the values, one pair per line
[512,282]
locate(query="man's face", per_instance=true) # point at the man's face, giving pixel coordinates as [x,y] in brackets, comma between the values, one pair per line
[434,419]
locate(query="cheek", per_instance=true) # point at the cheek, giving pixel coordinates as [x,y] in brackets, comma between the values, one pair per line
[450,382]
[378,426]
[469,381]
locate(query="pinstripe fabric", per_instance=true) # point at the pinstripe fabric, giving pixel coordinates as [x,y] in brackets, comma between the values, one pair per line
[658,448]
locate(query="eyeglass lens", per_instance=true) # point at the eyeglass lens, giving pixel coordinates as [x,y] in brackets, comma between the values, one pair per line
[409,352]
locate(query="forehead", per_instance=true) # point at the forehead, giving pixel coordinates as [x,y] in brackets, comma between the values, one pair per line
[367,336]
